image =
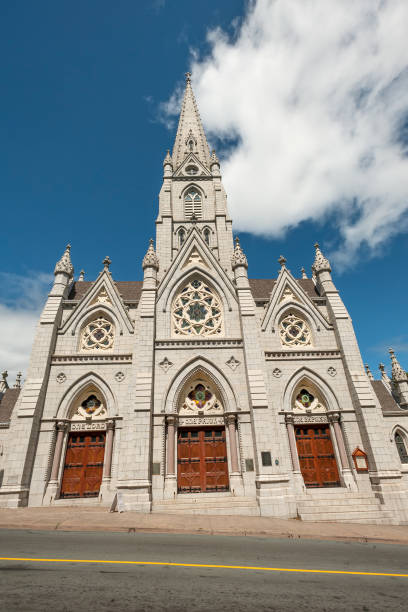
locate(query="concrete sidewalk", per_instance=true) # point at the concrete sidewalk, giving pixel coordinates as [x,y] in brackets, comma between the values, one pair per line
[100,519]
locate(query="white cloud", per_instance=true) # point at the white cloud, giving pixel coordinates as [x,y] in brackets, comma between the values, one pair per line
[315,92]
[20,305]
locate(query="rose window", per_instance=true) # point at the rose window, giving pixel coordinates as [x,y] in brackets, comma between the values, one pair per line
[197,311]
[294,331]
[97,335]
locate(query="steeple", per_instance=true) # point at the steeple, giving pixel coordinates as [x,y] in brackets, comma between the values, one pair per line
[190,137]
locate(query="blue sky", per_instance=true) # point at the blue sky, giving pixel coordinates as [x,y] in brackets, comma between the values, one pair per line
[89,90]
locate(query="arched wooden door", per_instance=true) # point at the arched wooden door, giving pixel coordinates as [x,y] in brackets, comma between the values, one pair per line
[83,466]
[316,456]
[202,464]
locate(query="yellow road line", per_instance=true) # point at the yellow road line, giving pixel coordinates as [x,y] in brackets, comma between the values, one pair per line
[237,567]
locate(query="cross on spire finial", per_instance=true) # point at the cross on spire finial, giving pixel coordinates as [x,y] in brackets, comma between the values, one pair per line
[188,77]
[282,261]
[106,262]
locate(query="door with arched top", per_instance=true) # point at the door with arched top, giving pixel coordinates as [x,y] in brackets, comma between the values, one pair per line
[83,467]
[316,456]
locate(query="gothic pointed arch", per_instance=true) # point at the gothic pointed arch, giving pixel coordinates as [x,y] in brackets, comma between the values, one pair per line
[400,439]
[199,369]
[193,202]
[90,384]
[323,398]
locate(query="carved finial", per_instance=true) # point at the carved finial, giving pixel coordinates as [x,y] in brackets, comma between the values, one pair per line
[150,260]
[64,265]
[304,275]
[238,258]
[106,263]
[214,159]
[398,373]
[188,77]
[3,381]
[81,276]
[321,262]
[17,384]
[369,374]
[167,159]
[282,261]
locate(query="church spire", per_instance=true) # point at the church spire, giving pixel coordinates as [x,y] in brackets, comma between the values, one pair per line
[190,137]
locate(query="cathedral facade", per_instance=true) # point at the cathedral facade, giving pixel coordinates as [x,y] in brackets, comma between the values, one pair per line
[200,389]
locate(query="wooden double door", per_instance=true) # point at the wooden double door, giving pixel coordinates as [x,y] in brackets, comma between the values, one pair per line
[202,465]
[316,456]
[83,466]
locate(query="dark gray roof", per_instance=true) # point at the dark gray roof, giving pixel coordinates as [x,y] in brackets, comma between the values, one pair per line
[7,404]
[262,287]
[387,402]
[129,290]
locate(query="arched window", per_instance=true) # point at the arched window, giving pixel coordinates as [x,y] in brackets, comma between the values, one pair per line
[401,448]
[207,235]
[181,236]
[197,311]
[97,335]
[193,203]
[307,398]
[294,331]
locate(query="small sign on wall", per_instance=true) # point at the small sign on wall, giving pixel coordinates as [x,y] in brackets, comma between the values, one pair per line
[360,460]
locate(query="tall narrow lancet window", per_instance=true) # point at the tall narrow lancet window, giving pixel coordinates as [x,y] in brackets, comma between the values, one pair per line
[191,145]
[193,204]
[181,236]
[207,236]
[401,448]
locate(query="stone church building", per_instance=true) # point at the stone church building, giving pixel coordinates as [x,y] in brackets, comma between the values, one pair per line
[200,389]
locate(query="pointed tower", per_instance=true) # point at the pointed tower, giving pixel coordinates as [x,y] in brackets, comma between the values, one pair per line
[192,195]
[399,381]
[190,136]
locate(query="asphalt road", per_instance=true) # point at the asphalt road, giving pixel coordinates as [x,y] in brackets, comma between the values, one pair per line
[37,586]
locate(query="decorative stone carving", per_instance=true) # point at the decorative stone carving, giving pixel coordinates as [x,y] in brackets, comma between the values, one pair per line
[102,297]
[321,262]
[97,335]
[64,265]
[309,418]
[233,363]
[61,378]
[17,384]
[369,374]
[106,263]
[150,260]
[294,331]
[119,376]
[288,296]
[165,364]
[277,373]
[195,259]
[197,311]
[398,373]
[331,371]
[238,258]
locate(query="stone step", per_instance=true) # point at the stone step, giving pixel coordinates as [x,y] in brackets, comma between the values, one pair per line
[206,498]
[341,501]
[227,511]
[346,515]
